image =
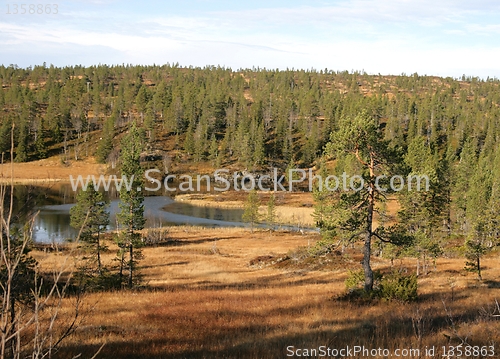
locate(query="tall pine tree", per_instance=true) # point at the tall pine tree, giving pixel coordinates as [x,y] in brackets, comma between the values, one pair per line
[360,139]
[89,215]
[131,216]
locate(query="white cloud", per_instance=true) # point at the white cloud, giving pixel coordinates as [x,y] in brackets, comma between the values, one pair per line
[490,29]
[373,11]
[391,36]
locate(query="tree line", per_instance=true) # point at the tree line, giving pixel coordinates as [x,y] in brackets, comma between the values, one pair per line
[252,116]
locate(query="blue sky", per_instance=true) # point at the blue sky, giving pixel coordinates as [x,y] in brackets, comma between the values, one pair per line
[433,37]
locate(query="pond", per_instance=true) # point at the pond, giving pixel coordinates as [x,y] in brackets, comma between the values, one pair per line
[52,223]
[50,208]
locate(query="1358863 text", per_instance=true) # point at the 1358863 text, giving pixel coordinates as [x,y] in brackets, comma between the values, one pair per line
[31,9]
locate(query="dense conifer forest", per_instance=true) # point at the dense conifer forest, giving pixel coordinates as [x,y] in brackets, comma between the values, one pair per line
[251,116]
[256,118]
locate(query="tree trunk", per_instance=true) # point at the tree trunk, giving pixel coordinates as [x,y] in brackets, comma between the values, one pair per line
[367,247]
[130,264]
[99,267]
[479,267]
[122,260]
[13,326]
[425,265]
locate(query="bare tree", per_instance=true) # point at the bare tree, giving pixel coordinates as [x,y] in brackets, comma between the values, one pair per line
[31,301]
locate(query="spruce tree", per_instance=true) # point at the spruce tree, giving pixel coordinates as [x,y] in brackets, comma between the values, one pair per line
[189,144]
[131,216]
[41,142]
[423,212]
[478,239]
[23,143]
[251,212]
[105,145]
[214,151]
[271,211]
[462,175]
[259,152]
[5,128]
[90,216]
[141,100]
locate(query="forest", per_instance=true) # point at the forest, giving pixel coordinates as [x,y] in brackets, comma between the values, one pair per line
[257,119]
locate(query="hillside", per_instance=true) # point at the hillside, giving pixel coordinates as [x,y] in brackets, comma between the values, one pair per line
[247,118]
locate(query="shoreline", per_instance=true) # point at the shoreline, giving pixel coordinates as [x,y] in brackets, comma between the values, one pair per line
[286,214]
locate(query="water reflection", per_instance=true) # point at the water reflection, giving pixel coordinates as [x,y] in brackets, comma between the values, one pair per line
[52,224]
[232,215]
[52,221]
[50,207]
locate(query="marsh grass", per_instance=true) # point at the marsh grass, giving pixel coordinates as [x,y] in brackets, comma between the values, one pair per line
[201,303]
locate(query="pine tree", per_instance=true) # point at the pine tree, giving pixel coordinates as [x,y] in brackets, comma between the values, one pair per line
[131,216]
[214,151]
[271,211]
[251,212]
[90,216]
[149,124]
[19,280]
[361,139]
[423,212]
[323,204]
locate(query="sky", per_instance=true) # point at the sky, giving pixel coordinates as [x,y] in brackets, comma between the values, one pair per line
[430,37]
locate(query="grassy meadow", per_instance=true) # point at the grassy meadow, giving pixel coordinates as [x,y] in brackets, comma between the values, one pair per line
[230,293]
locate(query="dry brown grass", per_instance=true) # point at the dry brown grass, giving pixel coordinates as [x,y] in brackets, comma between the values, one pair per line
[49,170]
[204,300]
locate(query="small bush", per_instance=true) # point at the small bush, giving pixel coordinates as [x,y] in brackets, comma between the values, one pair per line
[391,286]
[155,236]
[322,247]
[356,280]
[398,286]
[298,254]
[93,282]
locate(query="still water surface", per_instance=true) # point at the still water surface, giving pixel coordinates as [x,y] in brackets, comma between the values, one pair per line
[52,220]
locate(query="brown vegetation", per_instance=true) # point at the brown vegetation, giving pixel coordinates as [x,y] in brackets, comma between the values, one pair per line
[219,293]
[49,170]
